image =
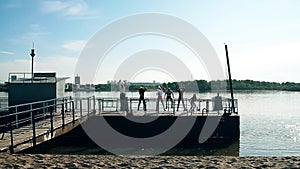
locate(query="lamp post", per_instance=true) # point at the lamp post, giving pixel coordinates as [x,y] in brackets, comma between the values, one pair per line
[32,54]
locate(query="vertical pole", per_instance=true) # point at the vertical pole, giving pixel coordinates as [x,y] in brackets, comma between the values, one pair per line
[73,111]
[99,106]
[230,80]
[33,130]
[32,69]
[63,115]
[31,113]
[80,108]
[102,105]
[11,148]
[44,110]
[88,106]
[173,103]
[207,106]
[94,100]
[130,100]
[17,121]
[51,121]
[32,54]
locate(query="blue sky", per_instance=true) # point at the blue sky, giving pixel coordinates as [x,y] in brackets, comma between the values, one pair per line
[263,35]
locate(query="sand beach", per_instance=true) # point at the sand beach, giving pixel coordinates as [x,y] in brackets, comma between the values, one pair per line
[111,161]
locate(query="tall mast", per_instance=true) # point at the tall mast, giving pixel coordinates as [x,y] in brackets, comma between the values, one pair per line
[32,54]
[230,80]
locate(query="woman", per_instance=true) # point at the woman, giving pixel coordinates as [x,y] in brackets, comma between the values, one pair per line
[159,94]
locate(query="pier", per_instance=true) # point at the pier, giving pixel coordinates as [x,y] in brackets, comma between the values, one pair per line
[27,125]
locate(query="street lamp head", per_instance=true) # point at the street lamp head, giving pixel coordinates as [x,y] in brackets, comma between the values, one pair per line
[32,54]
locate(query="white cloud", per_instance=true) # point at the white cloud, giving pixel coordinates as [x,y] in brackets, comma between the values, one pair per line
[7,53]
[54,6]
[74,45]
[73,9]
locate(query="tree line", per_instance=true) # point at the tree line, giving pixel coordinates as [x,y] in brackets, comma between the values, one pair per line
[205,86]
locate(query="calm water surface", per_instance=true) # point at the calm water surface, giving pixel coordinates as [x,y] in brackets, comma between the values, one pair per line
[270,120]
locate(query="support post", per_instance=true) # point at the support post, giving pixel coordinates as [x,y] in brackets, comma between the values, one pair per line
[88,106]
[94,106]
[230,80]
[130,100]
[11,147]
[63,115]
[17,119]
[51,121]
[73,111]
[31,113]
[80,108]
[33,130]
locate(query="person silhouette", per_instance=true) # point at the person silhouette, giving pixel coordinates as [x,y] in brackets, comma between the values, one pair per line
[159,93]
[193,100]
[170,96]
[122,88]
[180,97]
[142,98]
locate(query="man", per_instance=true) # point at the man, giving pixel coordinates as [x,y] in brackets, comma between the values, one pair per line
[142,98]
[170,96]
[180,97]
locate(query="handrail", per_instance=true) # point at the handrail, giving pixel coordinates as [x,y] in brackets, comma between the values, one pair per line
[210,105]
[35,112]
[27,104]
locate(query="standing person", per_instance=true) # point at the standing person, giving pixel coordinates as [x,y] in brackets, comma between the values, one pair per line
[142,98]
[170,96]
[193,100]
[122,87]
[180,97]
[159,94]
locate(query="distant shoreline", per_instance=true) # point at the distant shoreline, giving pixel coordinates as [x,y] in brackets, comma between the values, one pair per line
[204,86]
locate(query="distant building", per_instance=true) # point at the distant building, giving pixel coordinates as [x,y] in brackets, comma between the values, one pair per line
[113,82]
[82,87]
[77,80]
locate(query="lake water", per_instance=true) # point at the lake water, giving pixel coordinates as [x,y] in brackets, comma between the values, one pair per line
[270,120]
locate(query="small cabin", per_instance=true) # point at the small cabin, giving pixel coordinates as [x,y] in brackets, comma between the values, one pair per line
[27,87]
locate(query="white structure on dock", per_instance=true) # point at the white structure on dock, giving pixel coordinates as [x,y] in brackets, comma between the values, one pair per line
[25,88]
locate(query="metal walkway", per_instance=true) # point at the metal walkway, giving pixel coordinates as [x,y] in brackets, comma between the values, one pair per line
[27,125]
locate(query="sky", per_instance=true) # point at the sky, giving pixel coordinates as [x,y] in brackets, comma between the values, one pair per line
[263,36]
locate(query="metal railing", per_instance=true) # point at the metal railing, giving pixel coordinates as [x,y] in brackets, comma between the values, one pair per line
[216,105]
[19,77]
[3,102]
[21,120]
[86,104]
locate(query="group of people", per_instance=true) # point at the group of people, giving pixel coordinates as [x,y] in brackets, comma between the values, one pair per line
[169,95]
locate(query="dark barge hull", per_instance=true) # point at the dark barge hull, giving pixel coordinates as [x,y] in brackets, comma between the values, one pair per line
[223,141]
